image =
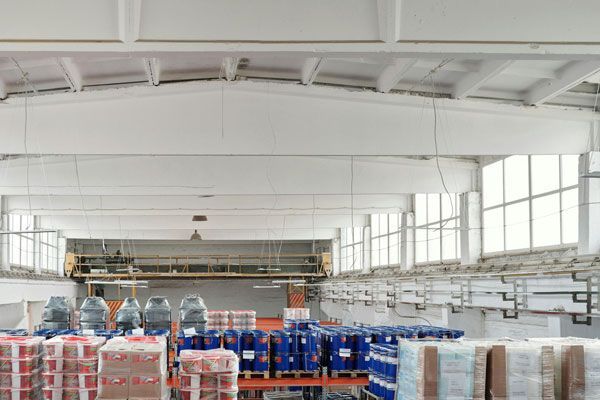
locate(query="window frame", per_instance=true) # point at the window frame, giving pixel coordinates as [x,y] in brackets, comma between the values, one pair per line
[529,199]
[387,235]
[437,226]
[356,244]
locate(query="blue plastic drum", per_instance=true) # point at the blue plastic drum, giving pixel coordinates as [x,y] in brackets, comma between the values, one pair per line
[210,340]
[247,340]
[261,341]
[232,341]
[280,341]
[294,361]
[309,362]
[281,361]
[261,361]
[308,342]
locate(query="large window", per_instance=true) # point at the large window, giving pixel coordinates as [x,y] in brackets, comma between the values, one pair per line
[437,236]
[48,252]
[22,245]
[385,239]
[351,247]
[530,202]
[30,250]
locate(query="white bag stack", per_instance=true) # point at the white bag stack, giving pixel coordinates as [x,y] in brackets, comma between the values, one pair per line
[208,375]
[296,313]
[243,319]
[71,367]
[218,319]
[20,367]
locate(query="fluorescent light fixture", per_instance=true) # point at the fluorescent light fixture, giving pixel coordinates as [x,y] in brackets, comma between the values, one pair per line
[117,282]
[290,281]
[266,286]
[268,269]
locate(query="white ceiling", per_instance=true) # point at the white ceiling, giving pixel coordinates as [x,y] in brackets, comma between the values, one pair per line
[262,106]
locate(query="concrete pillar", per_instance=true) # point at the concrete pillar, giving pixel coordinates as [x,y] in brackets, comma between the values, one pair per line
[589,211]
[366,256]
[407,240]
[470,227]
[336,252]
[4,239]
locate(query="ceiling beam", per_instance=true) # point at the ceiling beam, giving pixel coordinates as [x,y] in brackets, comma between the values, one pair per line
[184,118]
[71,73]
[3,90]
[473,81]
[310,69]
[152,68]
[393,74]
[573,74]
[129,19]
[229,67]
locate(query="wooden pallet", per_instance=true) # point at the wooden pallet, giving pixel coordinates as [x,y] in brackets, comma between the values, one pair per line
[349,374]
[253,375]
[296,374]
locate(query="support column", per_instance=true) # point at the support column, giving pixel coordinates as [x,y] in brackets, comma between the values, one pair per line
[4,239]
[407,240]
[589,210]
[366,256]
[470,227]
[336,253]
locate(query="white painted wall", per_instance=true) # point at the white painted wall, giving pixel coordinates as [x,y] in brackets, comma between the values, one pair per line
[22,300]
[217,295]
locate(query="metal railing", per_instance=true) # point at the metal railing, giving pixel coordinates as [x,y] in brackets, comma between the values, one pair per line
[193,265]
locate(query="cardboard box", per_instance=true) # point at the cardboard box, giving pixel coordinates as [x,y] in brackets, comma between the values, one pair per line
[147,386]
[113,386]
[520,370]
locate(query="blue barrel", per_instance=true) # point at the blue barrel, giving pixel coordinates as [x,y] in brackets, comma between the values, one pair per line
[337,362]
[247,340]
[232,340]
[362,363]
[302,325]
[261,361]
[294,342]
[351,362]
[377,386]
[309,362]
[294,361]
[384,336]
[291,324]
[391,365]
[371,389]
[210,340]
[363,341]
[280,341]
[261,341]
[184,342]
[337,341]
[313,323]
[390,390]
[308,342]
[281,361]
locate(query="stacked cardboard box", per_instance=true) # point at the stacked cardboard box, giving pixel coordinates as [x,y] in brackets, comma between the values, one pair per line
[243,319]
[208,375]
[133,367]
[576,367]
[71,367]
[20,367]
[520,370]
[441,370]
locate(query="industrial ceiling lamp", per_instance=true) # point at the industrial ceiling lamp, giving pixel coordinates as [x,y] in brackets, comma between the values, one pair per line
[195,235]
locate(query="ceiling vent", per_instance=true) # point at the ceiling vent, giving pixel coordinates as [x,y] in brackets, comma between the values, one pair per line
[199,218]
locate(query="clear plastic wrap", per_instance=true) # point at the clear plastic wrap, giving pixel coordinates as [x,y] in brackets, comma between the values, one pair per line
[129,315]
[157,313]
[441,370]
[206,374]
[193,313]
[56,313]
[520,370]
[93,314]
[296,313]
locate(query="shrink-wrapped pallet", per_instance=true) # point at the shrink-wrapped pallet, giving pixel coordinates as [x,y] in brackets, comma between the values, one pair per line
[520,370]
[441,370]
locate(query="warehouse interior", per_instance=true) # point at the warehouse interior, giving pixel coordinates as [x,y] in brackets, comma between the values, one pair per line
[379,163]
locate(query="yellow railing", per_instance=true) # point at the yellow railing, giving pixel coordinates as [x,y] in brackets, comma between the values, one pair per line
[197,265]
